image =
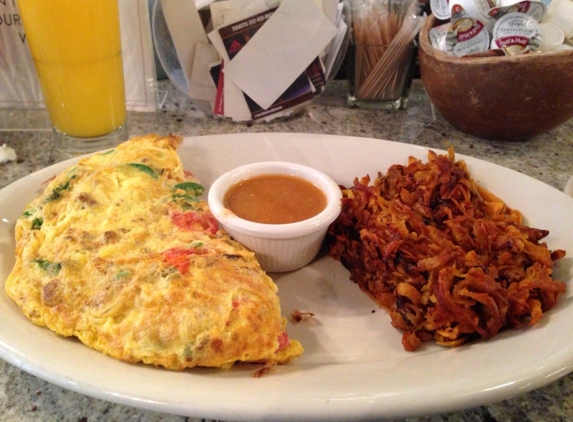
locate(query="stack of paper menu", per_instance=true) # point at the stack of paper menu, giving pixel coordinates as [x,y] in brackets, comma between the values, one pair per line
[255,59]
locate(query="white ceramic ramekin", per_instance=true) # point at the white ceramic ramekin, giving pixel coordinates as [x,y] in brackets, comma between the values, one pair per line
[278,247]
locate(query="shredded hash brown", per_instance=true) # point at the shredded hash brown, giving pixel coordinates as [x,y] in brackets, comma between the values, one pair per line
[445,257]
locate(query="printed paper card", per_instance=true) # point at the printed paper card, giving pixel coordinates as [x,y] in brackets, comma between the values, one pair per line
[280,51]
[237,35]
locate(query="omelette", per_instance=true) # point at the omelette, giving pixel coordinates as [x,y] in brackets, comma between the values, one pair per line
[121,251]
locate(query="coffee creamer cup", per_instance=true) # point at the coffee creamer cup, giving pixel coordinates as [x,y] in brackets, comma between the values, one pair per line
[476,9]
[553,37]
[438,36]
[516,33]
[466,35]
[535,9]
[560,13]
[440,9]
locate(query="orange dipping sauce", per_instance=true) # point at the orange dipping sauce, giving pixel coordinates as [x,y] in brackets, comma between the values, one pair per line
[275,199]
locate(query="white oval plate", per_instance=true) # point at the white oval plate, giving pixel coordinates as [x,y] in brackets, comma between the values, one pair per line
[354,366]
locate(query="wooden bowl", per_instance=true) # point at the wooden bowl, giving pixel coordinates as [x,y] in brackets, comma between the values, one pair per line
[500,98]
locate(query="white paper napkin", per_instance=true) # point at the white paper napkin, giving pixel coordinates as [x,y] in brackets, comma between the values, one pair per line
[138,58]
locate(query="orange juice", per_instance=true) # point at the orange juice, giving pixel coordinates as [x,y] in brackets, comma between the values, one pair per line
[76,47]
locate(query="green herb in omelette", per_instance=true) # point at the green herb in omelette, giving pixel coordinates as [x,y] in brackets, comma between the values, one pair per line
[37,223]
[57,191]
[122,274]
[191,188]
[52,268]
[145,169]
[191,193]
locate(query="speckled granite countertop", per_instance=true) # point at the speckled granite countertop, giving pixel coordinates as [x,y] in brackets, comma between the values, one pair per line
[548,157]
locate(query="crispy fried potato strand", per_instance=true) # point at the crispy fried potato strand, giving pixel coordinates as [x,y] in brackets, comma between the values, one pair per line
[448,259]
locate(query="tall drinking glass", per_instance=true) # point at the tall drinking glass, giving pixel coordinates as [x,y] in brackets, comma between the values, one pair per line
[76,48]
